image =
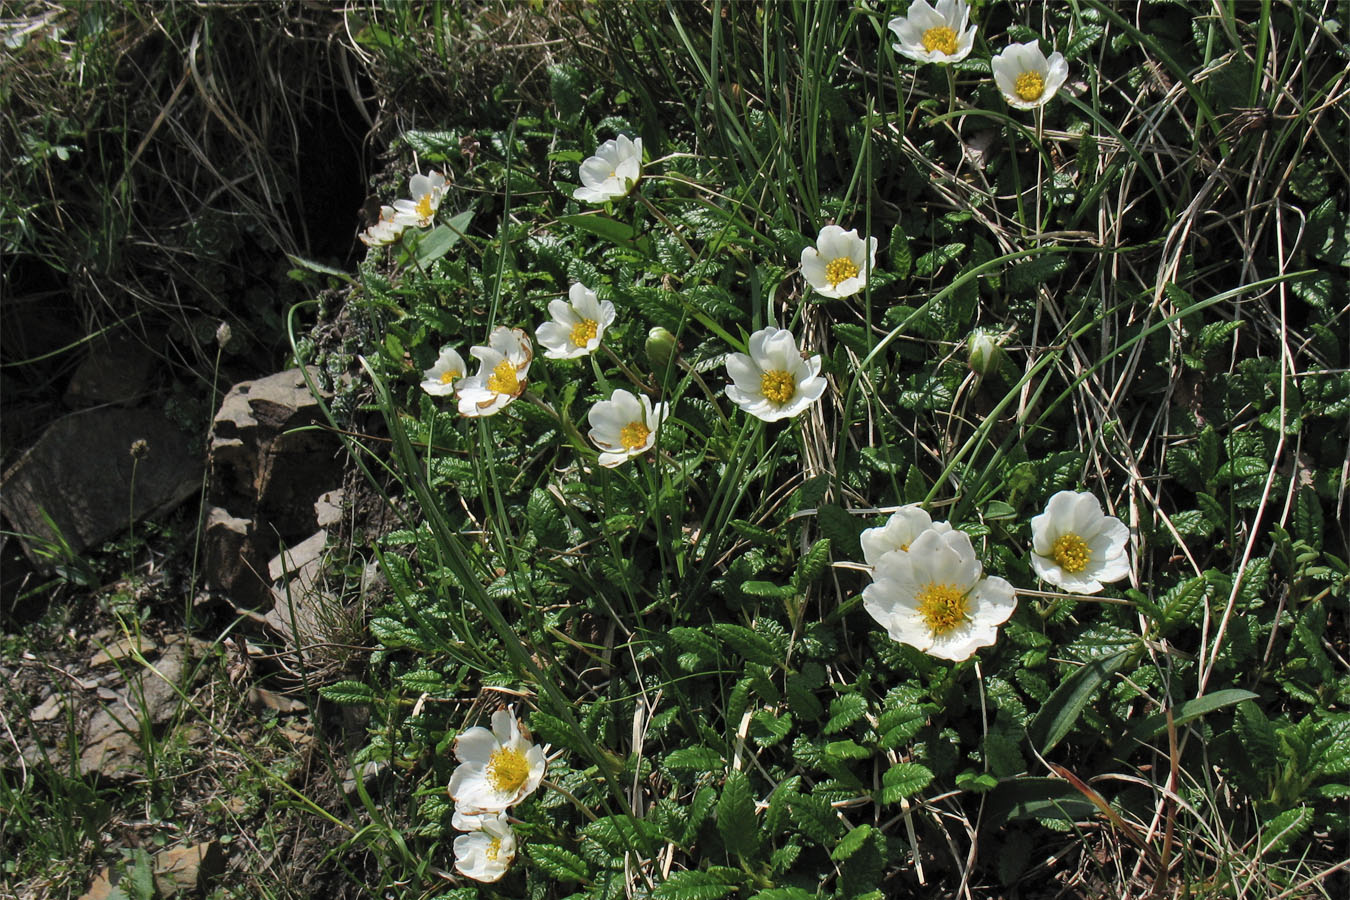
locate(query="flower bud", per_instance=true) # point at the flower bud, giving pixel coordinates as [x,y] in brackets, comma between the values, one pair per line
[661,347]
[985,351]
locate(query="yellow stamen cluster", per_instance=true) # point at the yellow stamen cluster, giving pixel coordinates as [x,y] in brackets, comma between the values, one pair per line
[507,770]
[583,332]
[1029,86]
[449,375]
[1071,552]
[777,386]
[840,269]
[503,379]
[494,848]
[423,207]
[634,435]
[943,607]
[941,39]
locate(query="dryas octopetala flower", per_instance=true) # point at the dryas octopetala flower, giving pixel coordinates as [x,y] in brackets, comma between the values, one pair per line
[578,324]
[427,192]
[934,597]
[900,530]
[625,426]
[486,851]
[387,230]
[937,35]
[1075,546]
[497,769]
[773,381]
[503,365]
[838,264]
[1026,78]
[439,380]
[611,172]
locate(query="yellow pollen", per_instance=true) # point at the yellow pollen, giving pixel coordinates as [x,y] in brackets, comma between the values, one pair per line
[777,386]
[942,39]
[634,435]
[503,379]
[424,209]
[583,331]
[840,269]
[448,376]
[1029,86]
[494,848]
[943,607]
[1071,552]
[507,770]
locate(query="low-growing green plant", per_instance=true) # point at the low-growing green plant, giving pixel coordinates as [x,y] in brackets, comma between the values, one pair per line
[685,621]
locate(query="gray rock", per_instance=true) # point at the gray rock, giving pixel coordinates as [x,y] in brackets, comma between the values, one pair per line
[79,474]
[115,371]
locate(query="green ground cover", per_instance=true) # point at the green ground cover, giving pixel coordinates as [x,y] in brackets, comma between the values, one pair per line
[1135,290]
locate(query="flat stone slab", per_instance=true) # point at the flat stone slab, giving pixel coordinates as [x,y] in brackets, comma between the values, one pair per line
[79,473]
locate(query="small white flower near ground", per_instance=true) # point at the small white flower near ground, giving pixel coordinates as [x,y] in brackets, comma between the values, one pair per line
[773,381]
[937,35]
[611,172]
[427,192]
[934,597]
[503,365]
[624,426]
[497,769]
[1026,77]
[838,264]
[486,852]
[385,231]
[578,324]
[1075,546]
[439,380]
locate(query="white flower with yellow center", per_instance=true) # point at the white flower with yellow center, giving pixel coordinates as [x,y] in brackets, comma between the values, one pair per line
[933,596]
[427,193]
[497,769]
[1075,546]
[625,426]
[900,530]
[773,381]
[838,264]
[611,172]
[578,324]
[1026,78]
[385,231]
[936,35]
[503,365]
[439,380]
[486,851]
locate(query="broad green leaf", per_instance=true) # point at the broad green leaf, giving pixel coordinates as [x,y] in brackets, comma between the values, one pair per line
[736,816]
[441,239]
[601,226]
[1061,711]
[902,780]
[1182,713]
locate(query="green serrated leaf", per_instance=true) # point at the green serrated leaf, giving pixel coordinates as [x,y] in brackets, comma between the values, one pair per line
[815,818]
[902,258]
[736,816]
[560,864]
[1280,832]
[841,529]
[692,885]
[850,843]
[844,711]
[813,563]
[903,780]
[347,693]
[747,644]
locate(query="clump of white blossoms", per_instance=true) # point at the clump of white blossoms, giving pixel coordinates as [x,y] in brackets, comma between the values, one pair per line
[427,193]
[900,530]
[1075,546]
[936,35]
[625,426]
[439,380]
[487,850]
[1024,75]
[838,264]
[497,769]
[611,172]
[504,363]
[934,597]
[387,230]
[577,326]
[773,381]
